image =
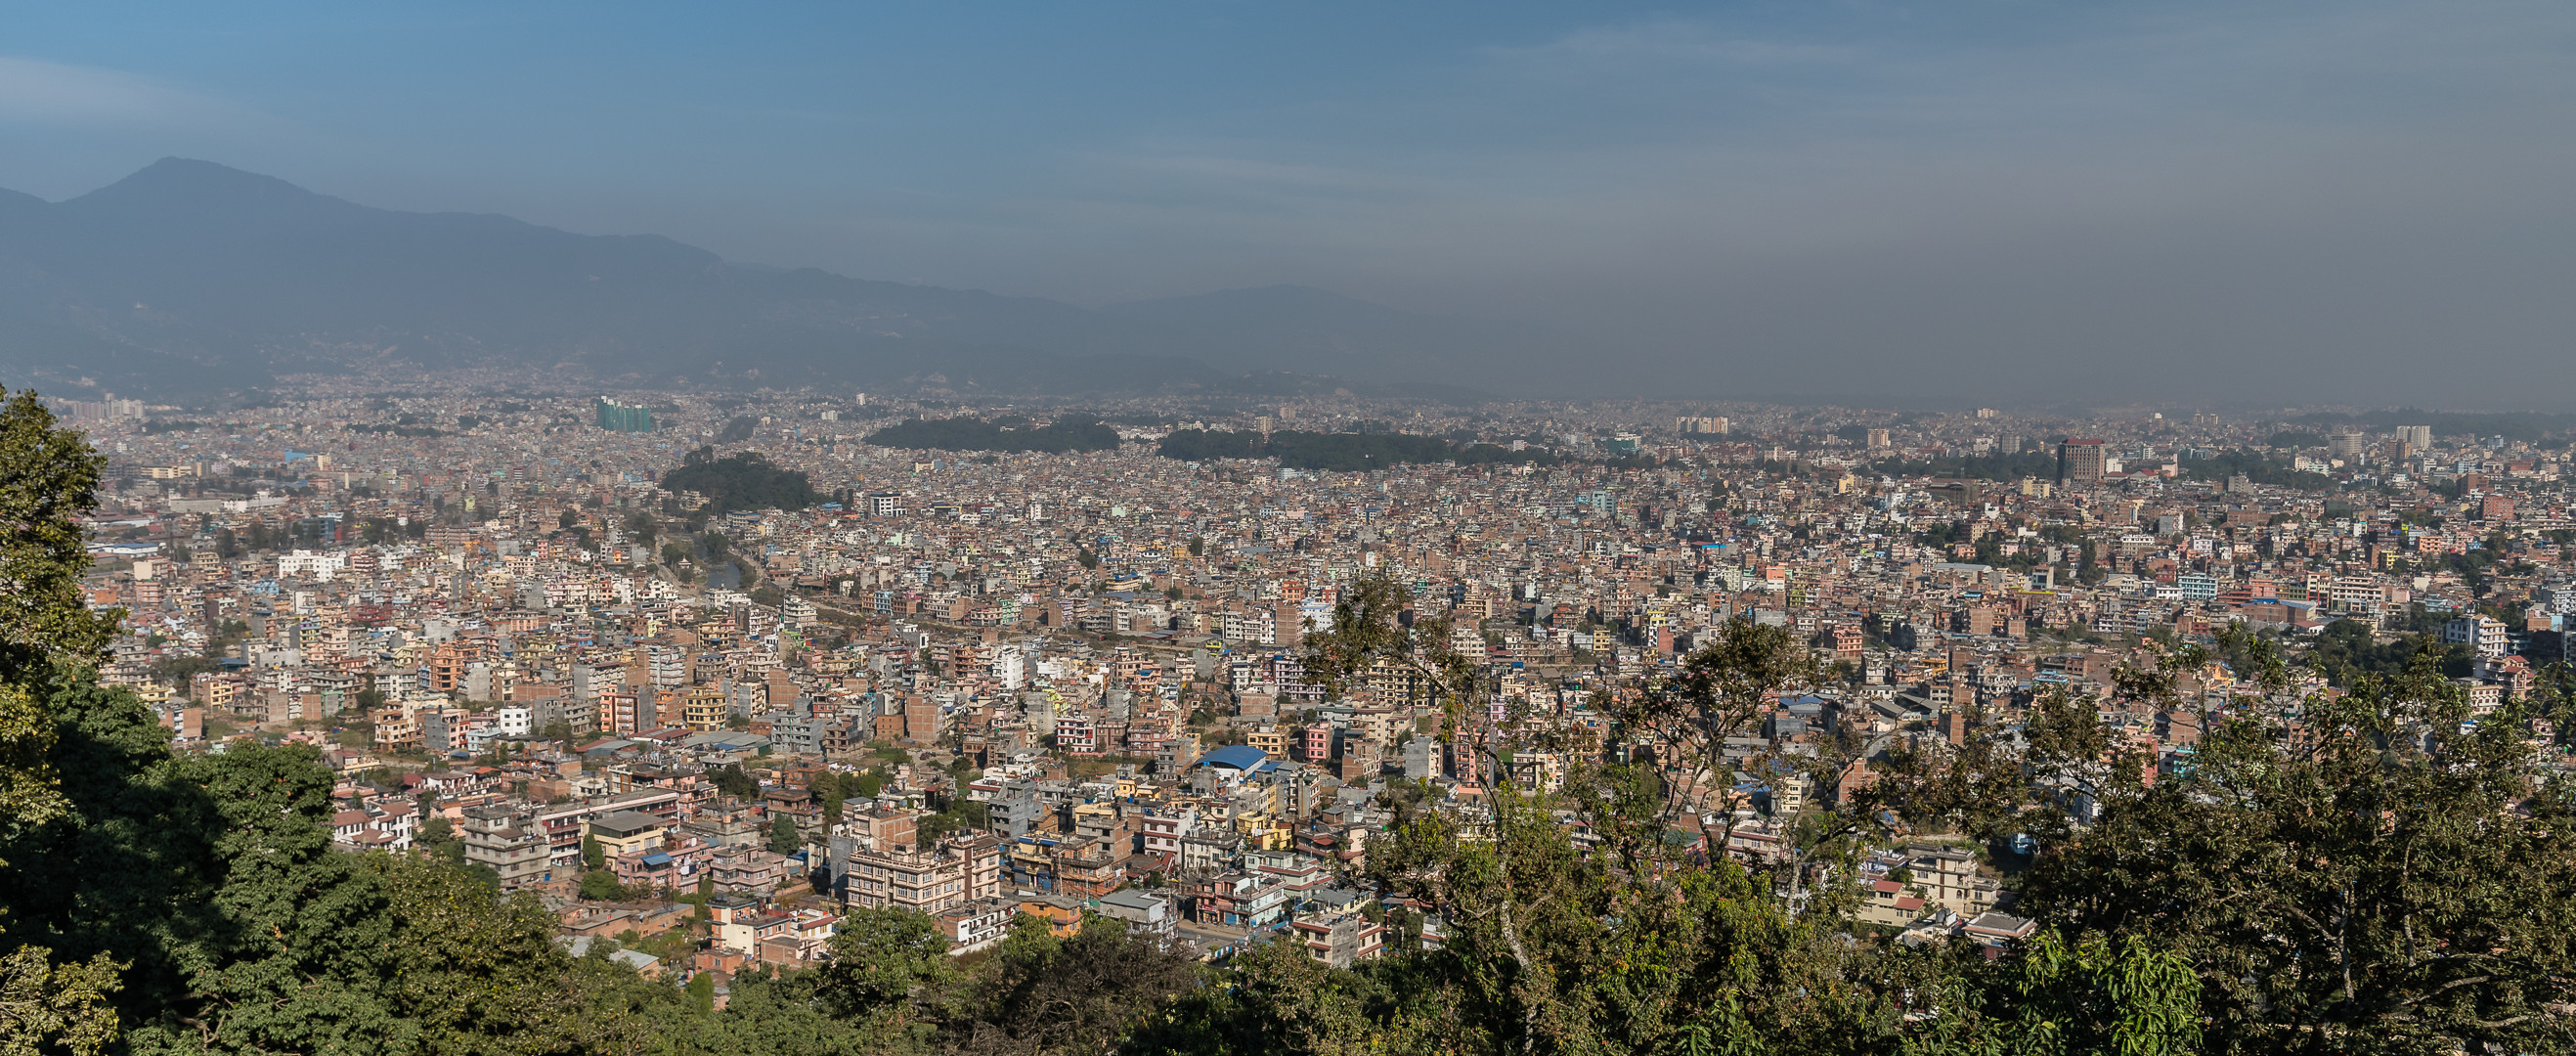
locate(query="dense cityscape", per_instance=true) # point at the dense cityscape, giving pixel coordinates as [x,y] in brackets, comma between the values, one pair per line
[1288,529]
[704,673]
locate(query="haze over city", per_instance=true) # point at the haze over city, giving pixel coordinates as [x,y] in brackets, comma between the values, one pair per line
[2207,203]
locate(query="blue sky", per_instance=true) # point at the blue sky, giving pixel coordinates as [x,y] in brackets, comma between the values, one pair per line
[1767,196]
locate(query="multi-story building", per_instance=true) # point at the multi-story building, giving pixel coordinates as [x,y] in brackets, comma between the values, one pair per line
[2484,635]
[2080,461]
[931,881]
[499,838]
[1340,938]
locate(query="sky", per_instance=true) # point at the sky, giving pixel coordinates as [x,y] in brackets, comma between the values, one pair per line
[2221,203]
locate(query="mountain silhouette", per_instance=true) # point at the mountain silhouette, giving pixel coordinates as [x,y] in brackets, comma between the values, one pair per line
[189,277]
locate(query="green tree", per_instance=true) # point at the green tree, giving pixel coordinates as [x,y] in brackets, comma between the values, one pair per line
[1275,998]
[745,480]
[47,1007]
[600,885]
[730,780]
[2130,998]
[880,957]
[48,478]
[439,840]
[783,838]
[1636,946]
[1045,994]
[2394,879]
[593,856]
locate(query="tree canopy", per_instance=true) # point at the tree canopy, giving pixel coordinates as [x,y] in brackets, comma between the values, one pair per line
[1069,433]
[744,480]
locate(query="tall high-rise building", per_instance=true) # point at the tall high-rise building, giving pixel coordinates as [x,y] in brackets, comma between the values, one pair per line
[621,418]
[2079,461]
[2346,444]
[2418,438]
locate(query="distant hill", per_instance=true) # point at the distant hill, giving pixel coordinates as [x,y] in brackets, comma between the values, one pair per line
[1325,332]
[189,276]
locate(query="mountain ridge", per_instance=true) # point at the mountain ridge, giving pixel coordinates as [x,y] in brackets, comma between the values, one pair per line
[189,275]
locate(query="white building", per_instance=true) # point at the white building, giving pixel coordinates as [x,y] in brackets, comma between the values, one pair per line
[2482,634]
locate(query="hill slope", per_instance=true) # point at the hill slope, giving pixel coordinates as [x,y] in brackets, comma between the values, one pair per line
[189,273]
[189,277]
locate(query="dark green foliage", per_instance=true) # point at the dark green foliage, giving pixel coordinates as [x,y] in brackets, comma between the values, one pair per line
[1043,994]
[738,430]
[843,785]
[879,956]
[177,670]
[961,815]
[2512,425]
[2394,881]
[600,885]
[211,879]
[782,835]
[2346,650]
[770,1015]
[50,480]
[2096,996]
[732,781]
[1067,434]
[438,838]
[742,481]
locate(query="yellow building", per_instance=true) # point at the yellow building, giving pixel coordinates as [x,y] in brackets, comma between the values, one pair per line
[705,709]
[624,832]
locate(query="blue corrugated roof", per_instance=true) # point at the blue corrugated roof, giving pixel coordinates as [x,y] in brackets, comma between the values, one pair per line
[1236,756]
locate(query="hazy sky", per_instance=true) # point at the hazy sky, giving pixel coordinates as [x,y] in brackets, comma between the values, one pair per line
[2224,202]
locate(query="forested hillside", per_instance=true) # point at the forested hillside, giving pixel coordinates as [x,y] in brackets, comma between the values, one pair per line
[1072,433]
[744,480]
